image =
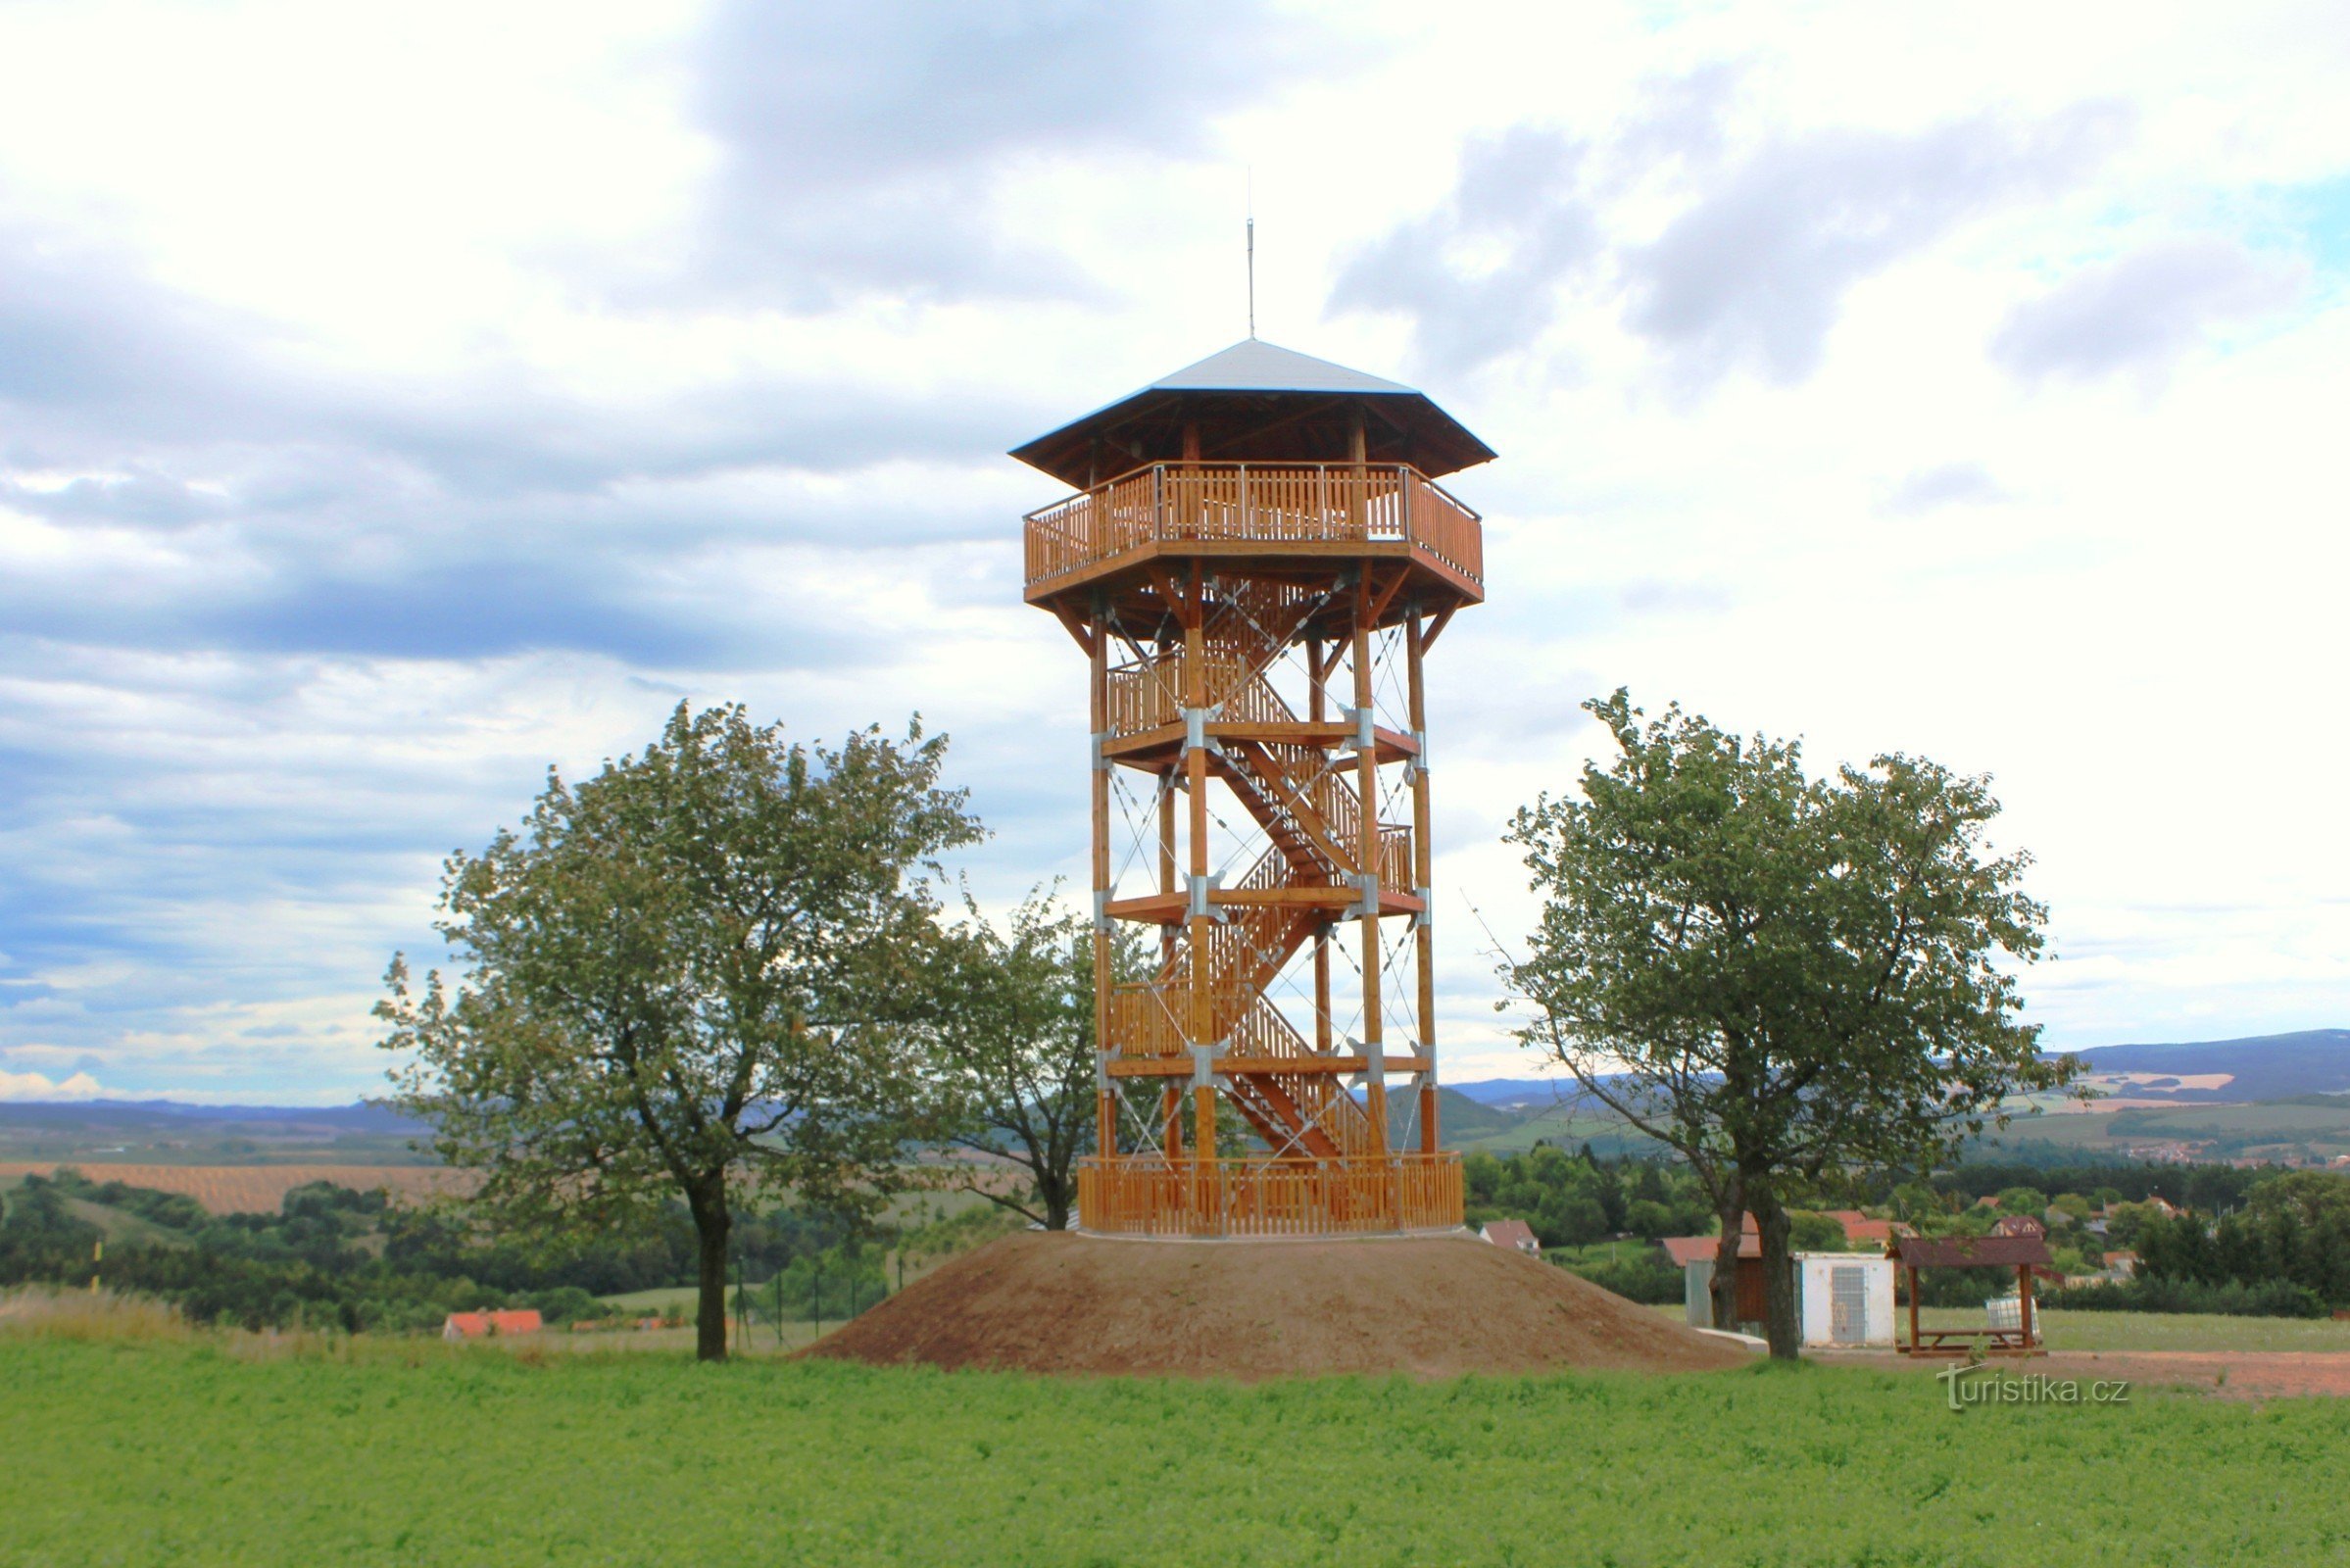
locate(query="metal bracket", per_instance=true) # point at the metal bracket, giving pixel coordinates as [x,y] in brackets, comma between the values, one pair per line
[1419,762]
[1101,920]
[1425,918]
[1100,740]
[1200,886]
[1102,1060]
[1367,882]
[1194,730]
[1204,1065]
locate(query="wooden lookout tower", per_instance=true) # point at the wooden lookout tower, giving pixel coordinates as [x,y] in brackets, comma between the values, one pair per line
[1256,561]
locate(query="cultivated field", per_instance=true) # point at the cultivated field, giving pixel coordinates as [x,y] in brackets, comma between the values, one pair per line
[256,1189]
[182,1452]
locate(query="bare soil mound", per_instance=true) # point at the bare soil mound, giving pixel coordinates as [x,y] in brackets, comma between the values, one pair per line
[1431,1306]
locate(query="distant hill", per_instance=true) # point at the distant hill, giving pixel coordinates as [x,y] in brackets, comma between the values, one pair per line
[1461,1119]
[2313,1061]
[168,1132]
[1526,1092]
[364,1116]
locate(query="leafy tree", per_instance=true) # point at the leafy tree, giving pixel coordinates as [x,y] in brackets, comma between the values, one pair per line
[2023,1201]
[2127,1222]
[1777,976]
[1815,1233]
[1018,1048]
[696,972]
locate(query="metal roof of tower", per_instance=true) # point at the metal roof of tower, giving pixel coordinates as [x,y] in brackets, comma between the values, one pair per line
[1255,366]
[1238,397]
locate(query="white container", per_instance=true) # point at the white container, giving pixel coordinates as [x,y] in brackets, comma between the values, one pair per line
[1845,1298]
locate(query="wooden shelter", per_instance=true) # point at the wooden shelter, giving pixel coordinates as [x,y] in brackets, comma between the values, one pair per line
[1255,565]
[2025,1255]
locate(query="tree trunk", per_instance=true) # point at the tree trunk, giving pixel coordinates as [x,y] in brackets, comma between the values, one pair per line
[1724,1290]
[713,1222]
[1059,1198]
[1779,1324]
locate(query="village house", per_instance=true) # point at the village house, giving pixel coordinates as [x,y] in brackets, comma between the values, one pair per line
[1512,1233]
[487,1325]
[1860,1231]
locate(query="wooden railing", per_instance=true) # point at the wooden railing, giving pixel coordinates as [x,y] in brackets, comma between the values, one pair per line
[1155,1196]
[1257,502]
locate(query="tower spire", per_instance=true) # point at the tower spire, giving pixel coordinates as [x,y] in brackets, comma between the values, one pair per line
[1252,250]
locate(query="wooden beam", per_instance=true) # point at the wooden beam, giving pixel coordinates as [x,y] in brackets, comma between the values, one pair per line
[1424,876]
[1086,635]
[1105,1117]
[1338,1063]
[1387,597]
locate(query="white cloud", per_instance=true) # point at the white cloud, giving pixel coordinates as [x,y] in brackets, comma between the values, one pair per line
[346,480]
[33,1085]
[2142,312]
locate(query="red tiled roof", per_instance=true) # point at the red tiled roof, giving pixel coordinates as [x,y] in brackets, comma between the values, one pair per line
[474,1325]
[1510,1233]
[1687,1249]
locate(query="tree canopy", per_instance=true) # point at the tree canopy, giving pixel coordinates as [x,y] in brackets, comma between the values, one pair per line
[1778,975]
[698,972]
[1016,1049]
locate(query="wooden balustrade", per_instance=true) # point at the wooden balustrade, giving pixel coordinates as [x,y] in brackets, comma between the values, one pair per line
[1150,1195]
[1254,503]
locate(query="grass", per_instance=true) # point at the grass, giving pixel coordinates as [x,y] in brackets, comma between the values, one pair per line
[2169,1331]
[177,1450]
[2145,1331]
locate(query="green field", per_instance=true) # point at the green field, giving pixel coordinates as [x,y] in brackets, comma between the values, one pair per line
[2168,1331]
[2100,1331]
[151,1452]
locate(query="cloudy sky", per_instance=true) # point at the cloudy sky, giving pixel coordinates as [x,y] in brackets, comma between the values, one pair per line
[394,402]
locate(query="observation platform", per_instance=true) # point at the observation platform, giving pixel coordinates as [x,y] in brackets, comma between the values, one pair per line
[1124,537]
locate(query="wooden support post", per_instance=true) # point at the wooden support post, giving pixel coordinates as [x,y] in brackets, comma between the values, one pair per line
[1317,709]
[1366,786]
[1424,874]
[1201,1028]
[2023,1301]
[1106,1114]
[1166,860]
[1913,1311]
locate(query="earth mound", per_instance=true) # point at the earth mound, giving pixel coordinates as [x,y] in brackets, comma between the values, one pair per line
[1432,1306]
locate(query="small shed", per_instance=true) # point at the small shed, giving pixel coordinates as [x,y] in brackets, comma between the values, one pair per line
[1512,1233]
[1694,1256]
[1845,1298]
